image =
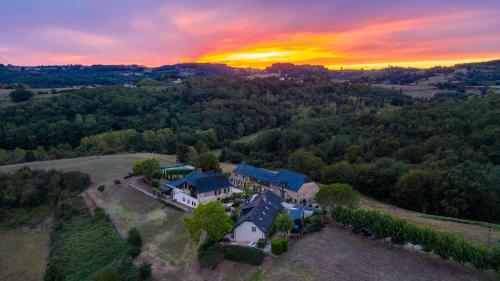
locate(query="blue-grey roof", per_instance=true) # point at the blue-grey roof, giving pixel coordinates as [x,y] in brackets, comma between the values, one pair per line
[183,168]
[262,210]
[296,213]
[254,172]
[291,180]
[202,182]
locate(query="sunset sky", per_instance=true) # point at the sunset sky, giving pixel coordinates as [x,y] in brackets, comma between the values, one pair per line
[253,33]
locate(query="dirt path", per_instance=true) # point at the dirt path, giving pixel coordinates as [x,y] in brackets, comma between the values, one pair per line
[89,202]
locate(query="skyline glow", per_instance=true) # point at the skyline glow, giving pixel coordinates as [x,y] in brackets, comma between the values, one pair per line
[365,34]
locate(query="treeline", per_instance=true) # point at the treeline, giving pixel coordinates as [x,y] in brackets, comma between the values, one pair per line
[438,157]
[231,107]
[26,188]
[401,232]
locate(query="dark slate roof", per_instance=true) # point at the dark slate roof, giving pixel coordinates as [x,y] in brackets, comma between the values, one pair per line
[293,181]
[254,172]
[262,210]
[202,182]
[210,183]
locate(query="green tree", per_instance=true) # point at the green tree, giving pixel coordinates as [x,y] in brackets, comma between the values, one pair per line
[305,162]
[341,172]
[209,162]
[20,95]
[146,167]
[211,218]
[19,154]
[283,223]
[40,153]
[337,194]
[3,157]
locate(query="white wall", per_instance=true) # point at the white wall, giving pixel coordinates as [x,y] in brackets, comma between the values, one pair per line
[185,199]
[244,233]
[210,196]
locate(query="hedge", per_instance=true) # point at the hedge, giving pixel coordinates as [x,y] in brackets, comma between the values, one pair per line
[172,205]
[279,246]
[400,231]
[242,254]
[210,254]
[261,244]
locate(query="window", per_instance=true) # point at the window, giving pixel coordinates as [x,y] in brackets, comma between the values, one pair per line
[183,199]
[254,229]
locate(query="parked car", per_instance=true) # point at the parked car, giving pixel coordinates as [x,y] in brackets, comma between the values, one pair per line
[252,244]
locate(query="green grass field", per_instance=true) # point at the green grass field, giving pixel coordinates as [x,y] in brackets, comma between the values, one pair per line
[83,245]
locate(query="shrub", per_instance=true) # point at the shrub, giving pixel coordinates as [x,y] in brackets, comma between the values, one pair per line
[261,244]
[133,251]
[134,241]
[210,254]
[242,254]
[155,183]
[284,244]
[134,237]
[313,223]
[277,246]
[117,182]
[101,187]
[144,271]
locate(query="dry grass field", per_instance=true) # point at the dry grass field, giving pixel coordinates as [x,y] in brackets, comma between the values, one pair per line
[100,168]
[24,252]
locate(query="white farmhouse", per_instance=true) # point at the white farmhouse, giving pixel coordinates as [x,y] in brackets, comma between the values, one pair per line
[199,188]
[257,217]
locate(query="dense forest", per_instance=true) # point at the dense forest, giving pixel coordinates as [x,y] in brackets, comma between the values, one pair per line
[437,156]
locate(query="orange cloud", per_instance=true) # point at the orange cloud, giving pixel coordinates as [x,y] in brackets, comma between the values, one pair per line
[372,45]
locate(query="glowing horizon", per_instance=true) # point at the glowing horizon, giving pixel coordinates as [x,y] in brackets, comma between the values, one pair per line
[333,33]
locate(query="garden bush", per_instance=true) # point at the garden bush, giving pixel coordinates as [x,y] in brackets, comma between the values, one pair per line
[313,223]
[210,254]
[261,244]
[242,254]
[101,188]
[277,246]
[134,241]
